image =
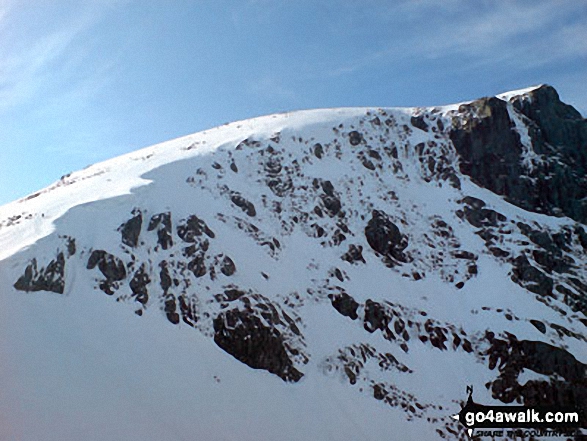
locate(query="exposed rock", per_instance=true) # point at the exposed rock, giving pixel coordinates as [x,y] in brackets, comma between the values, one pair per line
[327,188]
[50,278]
[70,244]
[331,204]
[376,316]
[374,154]
[540,238]
[491,152]
[418,122]
[162,222]
[531,278]
[478,216]
[385,237]
[138,285]
[345,304]
[462,254]
[483,135]
[193,227]
[555,394]
[228,268]
[474,203]
[513,356]
[551,262]
[201,246]
[498,252]
[354,254]
[539,325]
[560,129]
[278,178]
[318,150]
[171,310]
[273,167]
[232,294]
[582,235]
[367,163]
[164,277]
[245,337]
[197,265]
[353,360]
[131,229]
[243,204]
[188,309]
[355,138]
[276,137]
[109,265]
[280,186]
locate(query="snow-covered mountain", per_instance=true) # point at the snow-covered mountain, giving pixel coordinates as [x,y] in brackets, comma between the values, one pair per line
[338,274]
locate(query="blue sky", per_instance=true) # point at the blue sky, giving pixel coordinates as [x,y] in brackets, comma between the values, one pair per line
[81,82]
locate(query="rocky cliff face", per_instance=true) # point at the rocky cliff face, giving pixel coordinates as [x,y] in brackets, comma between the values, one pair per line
[379,249]
[544,174]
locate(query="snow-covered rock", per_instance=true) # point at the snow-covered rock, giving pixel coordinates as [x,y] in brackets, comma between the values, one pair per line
[328,274]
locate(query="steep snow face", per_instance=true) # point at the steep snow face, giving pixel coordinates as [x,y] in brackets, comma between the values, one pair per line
[329,274]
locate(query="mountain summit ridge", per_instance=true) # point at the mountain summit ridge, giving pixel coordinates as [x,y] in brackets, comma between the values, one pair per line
[352,255]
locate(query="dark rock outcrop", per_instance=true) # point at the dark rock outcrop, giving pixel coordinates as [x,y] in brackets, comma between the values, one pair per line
[70,245]
[554,244]
[164,277]
[138,285]
[188,310]
[491,152]
[489,147]
[354,254]
[355,138]
[418,122]
[193,227]
[385,237]
[245,205]
[228,268]
[111,267]
[198,265]
[376,316]
[131,229]
[170,310]
[478,216]
[559,128]
[318,150]
[278,178]
[345,305]
[244,336]
[512,356]
[162,222]
[50,278]
[530,277]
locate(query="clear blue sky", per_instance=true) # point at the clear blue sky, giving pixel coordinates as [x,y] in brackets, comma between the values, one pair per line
[84,81]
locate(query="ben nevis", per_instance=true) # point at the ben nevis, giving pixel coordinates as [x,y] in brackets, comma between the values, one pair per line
[338,274]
